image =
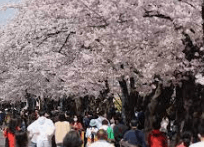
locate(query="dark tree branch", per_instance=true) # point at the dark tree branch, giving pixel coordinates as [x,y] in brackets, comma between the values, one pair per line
[50,35]
[3,71]
[61,80]
[47,80]
[66,41]
[188,4]
[119,96]
[111,63]
[99,26]
[86,47]
[104,20]
[90,9]
[203,20]
[98,40]
[157,14]
[42,41]
[56,33]
[120,20]
[107,86]
[190,48]
[124,88]
[60,53]
[132,83]
[158,92]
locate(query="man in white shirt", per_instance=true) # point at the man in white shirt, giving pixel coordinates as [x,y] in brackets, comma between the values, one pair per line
[200,135]
[41,131]
[100,119]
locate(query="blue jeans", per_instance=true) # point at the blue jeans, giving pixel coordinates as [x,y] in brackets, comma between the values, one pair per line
[32,144]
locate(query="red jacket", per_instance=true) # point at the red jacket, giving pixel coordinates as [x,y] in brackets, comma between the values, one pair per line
[11,138]
[157,138]
[77,126]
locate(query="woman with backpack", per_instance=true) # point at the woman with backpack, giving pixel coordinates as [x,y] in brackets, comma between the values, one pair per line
[91,132]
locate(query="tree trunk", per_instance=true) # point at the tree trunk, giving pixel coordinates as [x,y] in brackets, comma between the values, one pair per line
[151,110]
[203,20]
[133,97]
[125,96]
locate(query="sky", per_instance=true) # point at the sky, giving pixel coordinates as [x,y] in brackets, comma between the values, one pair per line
[9,13]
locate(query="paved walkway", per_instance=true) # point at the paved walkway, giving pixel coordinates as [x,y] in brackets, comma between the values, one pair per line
[2,140]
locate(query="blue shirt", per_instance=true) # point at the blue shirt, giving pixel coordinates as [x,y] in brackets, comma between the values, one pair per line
[135,137]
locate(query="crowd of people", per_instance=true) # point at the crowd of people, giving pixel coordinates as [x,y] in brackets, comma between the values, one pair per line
[63,129]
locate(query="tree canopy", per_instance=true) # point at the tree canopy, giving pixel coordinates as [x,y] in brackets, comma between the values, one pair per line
[59,46]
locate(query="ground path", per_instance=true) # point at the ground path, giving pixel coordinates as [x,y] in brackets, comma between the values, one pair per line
[2,140]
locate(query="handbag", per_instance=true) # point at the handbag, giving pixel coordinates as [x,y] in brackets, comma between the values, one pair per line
[124,143]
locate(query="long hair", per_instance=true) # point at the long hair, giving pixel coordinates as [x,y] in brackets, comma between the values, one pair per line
[61,117]
[72,139]
[186,138]
[13,124]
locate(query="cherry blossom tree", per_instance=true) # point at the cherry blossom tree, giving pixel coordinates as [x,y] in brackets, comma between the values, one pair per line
[72,47]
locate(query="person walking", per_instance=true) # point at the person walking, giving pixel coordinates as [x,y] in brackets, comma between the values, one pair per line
[134,136]
[185,139]
[108,129]
[77,125]
[62,127]
[156,138]
[102,140]
[9,133]
[41,131]
[72,139]
[100,119]
[119,130]
[91,132]
[200,135]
